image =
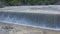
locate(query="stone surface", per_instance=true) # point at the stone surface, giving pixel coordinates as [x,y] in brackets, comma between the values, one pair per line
[19,29]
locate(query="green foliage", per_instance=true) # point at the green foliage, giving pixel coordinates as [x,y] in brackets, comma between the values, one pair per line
[27,2]
[13,2]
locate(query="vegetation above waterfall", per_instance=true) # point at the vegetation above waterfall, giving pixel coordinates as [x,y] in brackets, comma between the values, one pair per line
[28,2]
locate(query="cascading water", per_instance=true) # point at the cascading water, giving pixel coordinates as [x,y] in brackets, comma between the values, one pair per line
[43,20]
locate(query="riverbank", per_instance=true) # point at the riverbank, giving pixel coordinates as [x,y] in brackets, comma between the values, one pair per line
[6,28]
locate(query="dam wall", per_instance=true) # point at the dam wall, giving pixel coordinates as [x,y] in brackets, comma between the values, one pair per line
[44,16]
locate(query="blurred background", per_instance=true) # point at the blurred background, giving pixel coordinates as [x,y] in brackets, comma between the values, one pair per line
[29,2]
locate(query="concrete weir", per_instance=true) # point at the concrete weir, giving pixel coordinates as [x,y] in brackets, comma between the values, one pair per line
[30,19]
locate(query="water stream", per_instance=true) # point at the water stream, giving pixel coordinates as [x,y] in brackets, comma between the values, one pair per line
[43,20]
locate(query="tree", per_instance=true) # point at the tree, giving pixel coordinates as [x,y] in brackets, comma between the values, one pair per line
[28,2]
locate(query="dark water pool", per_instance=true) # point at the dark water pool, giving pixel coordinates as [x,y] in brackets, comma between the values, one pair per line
[44,20]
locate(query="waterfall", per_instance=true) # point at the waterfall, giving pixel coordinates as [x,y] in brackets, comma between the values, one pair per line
[43,20]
